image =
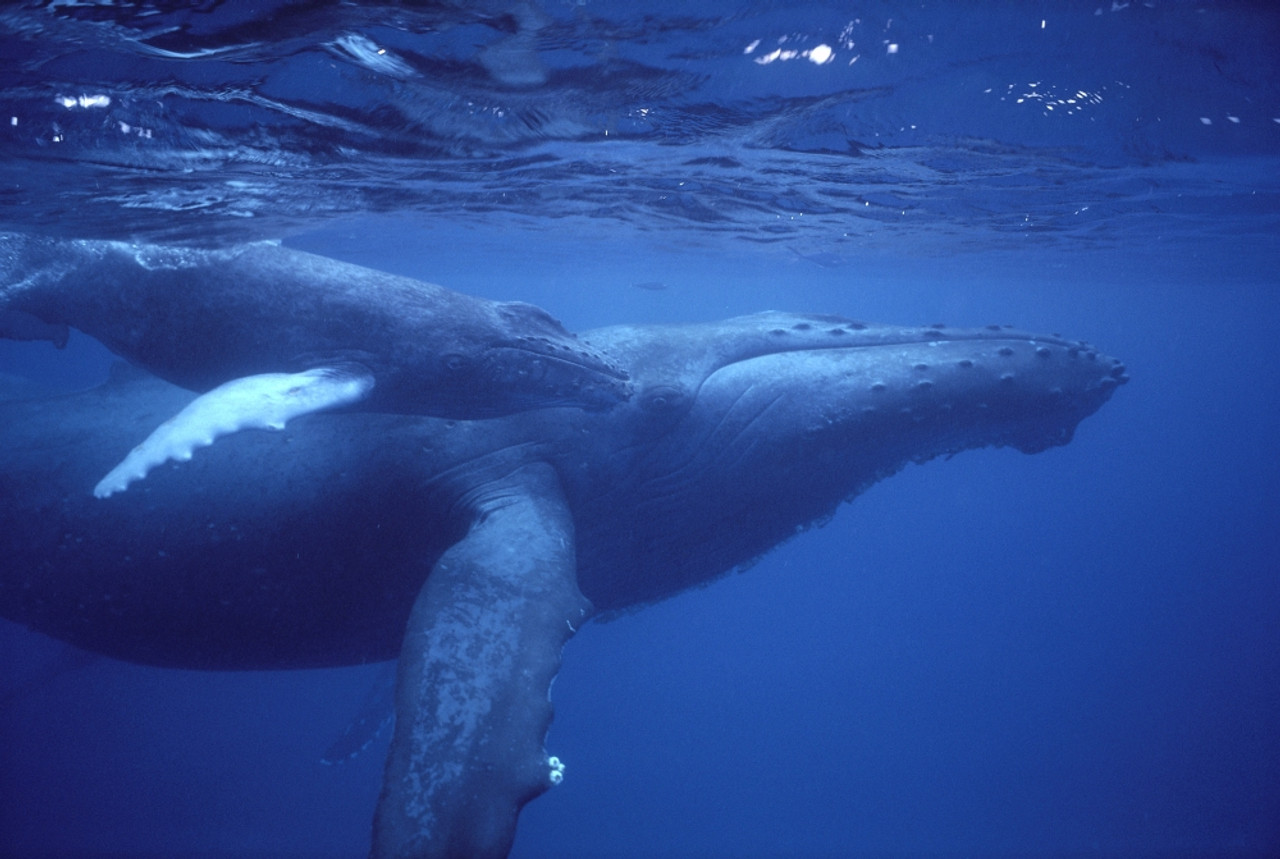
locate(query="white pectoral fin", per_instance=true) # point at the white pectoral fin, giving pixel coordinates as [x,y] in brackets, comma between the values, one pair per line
[268,401]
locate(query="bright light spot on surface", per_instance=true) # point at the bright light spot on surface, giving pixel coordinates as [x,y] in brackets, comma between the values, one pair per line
[1050,99]
[749,48]
[891,48]
[821,54]
[84,101]
[776,54]
[846,35]
[1204,120]
[1042,23]
[818,55]
[13,120]
[1234,119]
[372,56]
[126,128]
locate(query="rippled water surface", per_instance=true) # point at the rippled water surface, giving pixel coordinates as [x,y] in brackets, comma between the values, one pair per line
[818,125]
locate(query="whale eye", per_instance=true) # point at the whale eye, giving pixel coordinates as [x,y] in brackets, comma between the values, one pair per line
[454,363]
[662,398]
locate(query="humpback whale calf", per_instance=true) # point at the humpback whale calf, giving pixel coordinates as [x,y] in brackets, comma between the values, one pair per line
[271,333]
[474,550]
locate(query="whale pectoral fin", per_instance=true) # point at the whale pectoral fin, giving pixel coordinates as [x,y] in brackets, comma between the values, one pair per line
[480,651]
[267,401]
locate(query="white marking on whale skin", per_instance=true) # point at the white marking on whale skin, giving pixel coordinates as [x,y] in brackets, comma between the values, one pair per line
[555,773]
[266,401]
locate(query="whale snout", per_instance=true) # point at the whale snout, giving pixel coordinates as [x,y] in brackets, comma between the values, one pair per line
[914,393]
[1042,387]
[546,365]
[994,386]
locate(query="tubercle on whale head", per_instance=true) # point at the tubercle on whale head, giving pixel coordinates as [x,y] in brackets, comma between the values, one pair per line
[755,442]
[787,332]
[542,357]
[931,390]
[992,386]
[556,372]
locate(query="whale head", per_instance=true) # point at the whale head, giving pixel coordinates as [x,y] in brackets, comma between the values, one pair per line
[538,364]
[491,361]
[760,426]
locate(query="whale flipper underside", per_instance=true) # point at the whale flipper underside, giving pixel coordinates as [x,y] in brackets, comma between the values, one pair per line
[266,401]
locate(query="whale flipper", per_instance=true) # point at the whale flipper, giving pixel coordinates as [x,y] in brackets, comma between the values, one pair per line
[266,401]
[481,648]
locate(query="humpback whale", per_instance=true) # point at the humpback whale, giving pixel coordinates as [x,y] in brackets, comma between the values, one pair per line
[271,333]
[16,325]
[474,550]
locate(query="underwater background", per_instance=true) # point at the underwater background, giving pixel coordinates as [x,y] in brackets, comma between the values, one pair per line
[1070,653]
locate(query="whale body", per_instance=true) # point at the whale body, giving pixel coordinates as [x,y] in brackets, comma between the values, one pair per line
[473,550]
[259,324]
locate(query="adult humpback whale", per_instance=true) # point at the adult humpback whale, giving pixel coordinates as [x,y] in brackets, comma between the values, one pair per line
[475,550]
[271,333]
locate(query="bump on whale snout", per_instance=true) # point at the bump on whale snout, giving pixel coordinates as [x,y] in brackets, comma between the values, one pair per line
[1075,380]
[543,350]
[570,373]
[993,386]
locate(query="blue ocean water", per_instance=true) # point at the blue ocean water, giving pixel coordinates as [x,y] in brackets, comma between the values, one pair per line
[1070,653]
